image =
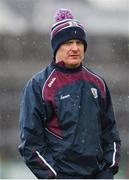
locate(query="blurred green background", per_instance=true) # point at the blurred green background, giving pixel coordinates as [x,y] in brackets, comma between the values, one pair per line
[25,49]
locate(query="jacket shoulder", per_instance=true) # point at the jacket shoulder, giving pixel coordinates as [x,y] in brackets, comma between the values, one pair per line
[40,77]
[96,79]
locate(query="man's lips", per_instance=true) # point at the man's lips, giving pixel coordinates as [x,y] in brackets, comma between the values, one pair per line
[74,55]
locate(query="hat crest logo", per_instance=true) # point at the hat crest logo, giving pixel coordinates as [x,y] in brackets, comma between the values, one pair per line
[73,23]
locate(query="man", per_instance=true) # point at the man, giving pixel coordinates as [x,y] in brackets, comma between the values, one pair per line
[67,124]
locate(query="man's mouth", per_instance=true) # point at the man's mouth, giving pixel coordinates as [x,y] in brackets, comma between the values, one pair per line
[74,55]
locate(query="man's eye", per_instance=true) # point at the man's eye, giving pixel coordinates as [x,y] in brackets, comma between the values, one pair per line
[68,42]
[79,42]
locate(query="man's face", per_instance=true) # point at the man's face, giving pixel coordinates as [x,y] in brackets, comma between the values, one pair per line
[71,53]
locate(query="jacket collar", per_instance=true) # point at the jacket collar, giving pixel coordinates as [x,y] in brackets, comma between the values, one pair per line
[61,67]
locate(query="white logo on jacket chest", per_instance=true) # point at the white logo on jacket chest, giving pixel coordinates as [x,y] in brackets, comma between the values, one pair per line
[51,82]
[64,97]
[94,92]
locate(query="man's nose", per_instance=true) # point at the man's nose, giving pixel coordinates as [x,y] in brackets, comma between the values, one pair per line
[74,47]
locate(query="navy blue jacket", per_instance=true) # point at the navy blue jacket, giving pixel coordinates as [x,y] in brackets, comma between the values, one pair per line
[67,123]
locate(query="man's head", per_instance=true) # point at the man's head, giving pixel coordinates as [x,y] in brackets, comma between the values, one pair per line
[71,53]
[67,29]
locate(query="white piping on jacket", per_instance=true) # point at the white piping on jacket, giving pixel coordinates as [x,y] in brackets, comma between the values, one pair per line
[114,155]
[45,162]
[45,83]
[53,134]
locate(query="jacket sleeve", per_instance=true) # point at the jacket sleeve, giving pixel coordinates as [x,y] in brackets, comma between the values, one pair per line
[33,147]
[110,136]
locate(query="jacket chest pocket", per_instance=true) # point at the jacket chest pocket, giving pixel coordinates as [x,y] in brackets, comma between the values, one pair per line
[67,106]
